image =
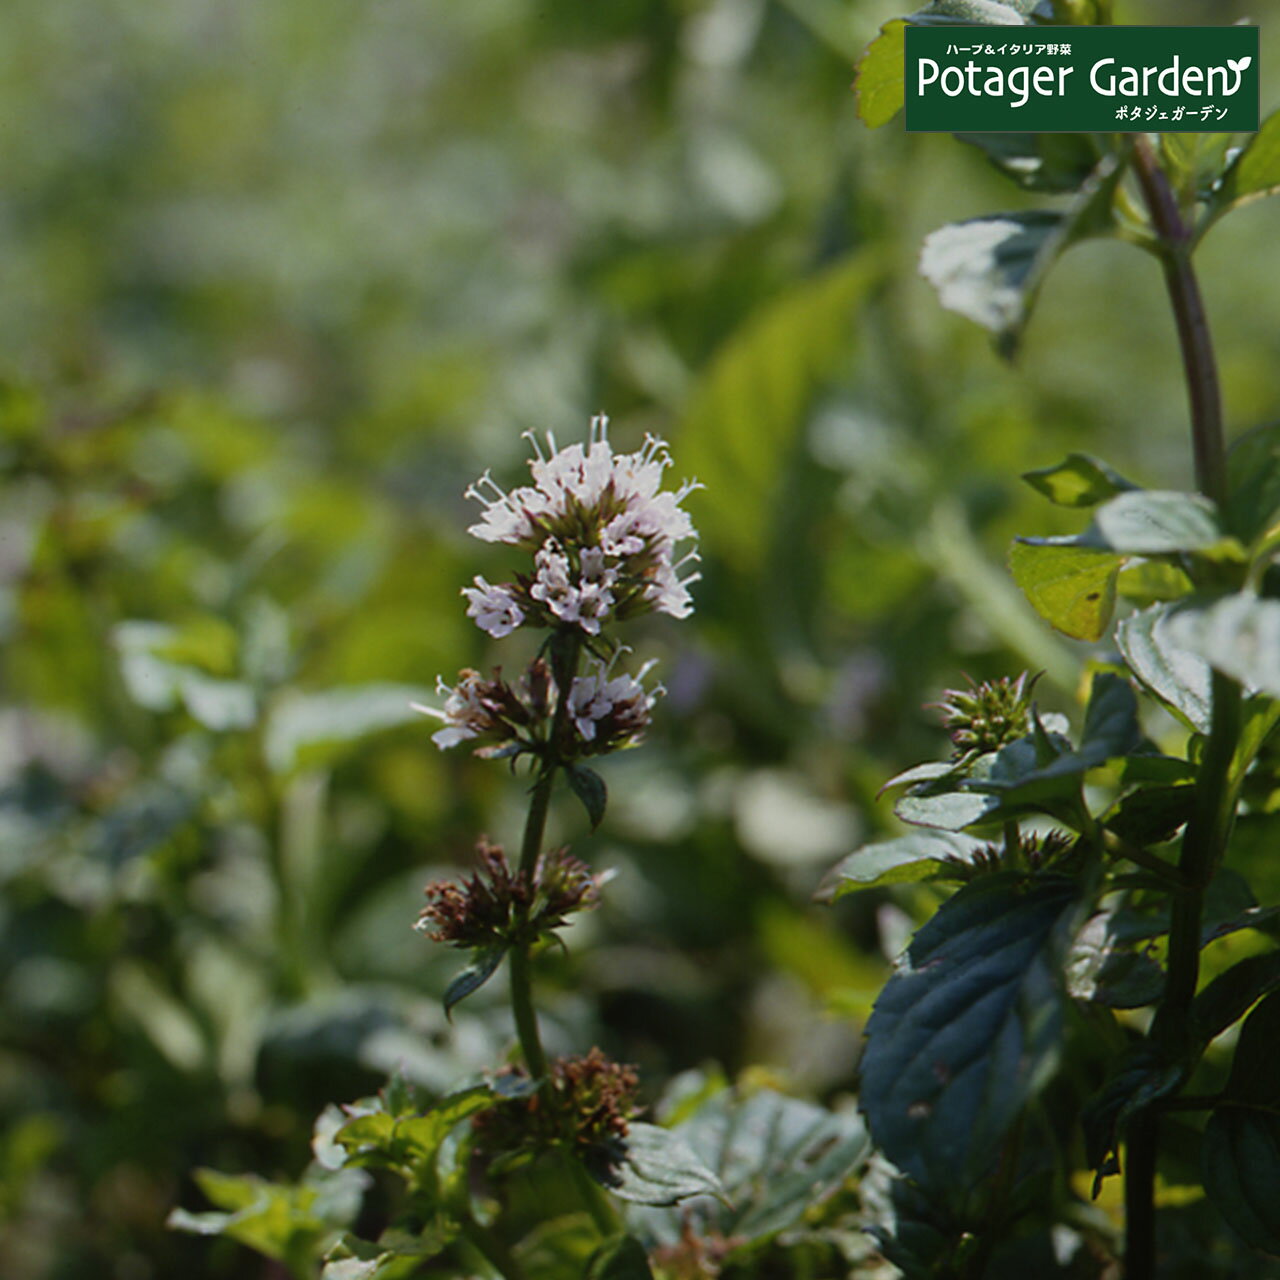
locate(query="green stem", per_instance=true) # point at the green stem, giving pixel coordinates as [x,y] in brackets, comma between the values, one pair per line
[601,1211]
[492,1250]
[564,665]
[1205,839]
[1175,240]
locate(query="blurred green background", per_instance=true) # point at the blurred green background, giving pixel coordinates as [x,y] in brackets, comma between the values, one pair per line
[279,279]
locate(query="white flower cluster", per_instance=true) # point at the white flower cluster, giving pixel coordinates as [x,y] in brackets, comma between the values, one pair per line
[611,711]
[603,535]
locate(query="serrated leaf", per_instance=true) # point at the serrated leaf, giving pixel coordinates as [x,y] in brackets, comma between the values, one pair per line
[484,964]
[880,84]
[1078,481]
[1238,635]
[590,788]
[411,1140]
[1177,676]
[991,268]
[967,1031]
[917,856]
[622,1258]
[1072,588]
[1254,173]
[657,1167]
[777,1157]
[1228,997]
[1240,1162]
[1104,969]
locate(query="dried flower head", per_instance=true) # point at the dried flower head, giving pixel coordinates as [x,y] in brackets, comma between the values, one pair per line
[586,1105]
[602,532]
[988,716]
[1031,852]
[499,907]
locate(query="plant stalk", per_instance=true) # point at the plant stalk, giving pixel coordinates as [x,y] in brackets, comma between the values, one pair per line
[1205,839]
[564,666]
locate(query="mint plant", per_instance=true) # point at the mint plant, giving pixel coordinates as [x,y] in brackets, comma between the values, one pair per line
[1063,1011]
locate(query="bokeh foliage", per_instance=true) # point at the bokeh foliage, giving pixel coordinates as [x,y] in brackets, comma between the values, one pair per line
[281,279]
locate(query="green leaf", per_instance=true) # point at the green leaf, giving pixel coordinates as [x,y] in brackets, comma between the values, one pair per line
[985,13]
[991,268]
[1254,173]
[1079,481]
[1103,968]
[484,964]
[1194,162]
[920,855]
[1254,1078]
[746,413]
[1137,1081]
[948,811]
[1238,635]
[1152,814]
[967,1031]
[622,1258]
[1177,676]
[879,82]
[1111,726]
[589,787]
[657,1167]
[778,1157]
[1228,997]
[303,725]
[1253,481]
[411,1141]
[1057,162]
[1072,588]
[1150,522]
[1241,1170]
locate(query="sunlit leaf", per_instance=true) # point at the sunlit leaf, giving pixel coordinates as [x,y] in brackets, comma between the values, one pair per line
[1078,481]
[1239,635]
[1073,588]
[657,1167]
[917,856]
[1254,173]
[1228,997]
[1176,675]
[879,83]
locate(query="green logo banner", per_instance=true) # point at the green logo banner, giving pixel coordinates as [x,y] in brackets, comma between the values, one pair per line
[962,79]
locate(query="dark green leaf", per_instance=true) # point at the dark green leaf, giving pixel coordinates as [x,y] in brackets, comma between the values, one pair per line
[657,1167]
[919,855]
[1103,968]
[879,82]
[1111,726]
[1254,173]
[589,787]
[1072,588]
[1079,481]
[484,964]
[1253,480]
[1139,1080]
[1176,676]
[1151,815]
[622,1258]
[930,771]
[1241,1170]
[967,1031]
[1228,997]
[1239,635]
[1057,162]
[1254,1078]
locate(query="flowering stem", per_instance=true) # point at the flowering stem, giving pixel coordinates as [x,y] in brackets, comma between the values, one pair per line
[566,649]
